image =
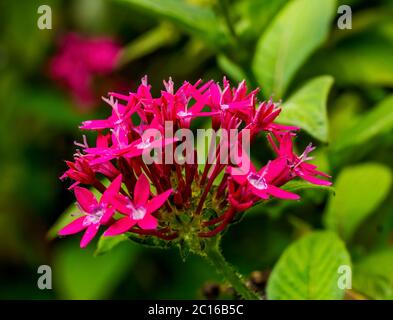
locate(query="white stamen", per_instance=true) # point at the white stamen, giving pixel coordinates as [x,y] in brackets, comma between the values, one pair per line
[138,213]
[84,144]
[94,217]
[257,181]
[183,114]
[144,144]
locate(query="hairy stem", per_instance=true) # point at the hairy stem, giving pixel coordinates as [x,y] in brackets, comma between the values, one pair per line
[213,254]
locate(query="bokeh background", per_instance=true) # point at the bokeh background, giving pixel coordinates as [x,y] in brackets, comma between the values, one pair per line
[39,121]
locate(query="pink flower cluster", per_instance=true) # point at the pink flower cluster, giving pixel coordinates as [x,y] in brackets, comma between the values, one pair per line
[169,200]
[79,60]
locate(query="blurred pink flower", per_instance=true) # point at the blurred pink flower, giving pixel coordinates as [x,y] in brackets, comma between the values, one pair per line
[79,60]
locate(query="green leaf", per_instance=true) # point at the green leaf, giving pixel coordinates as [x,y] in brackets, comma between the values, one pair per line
[307,108]
[308,269]
[375,122]
[255,15]
[148,42]
[50,106]
[297,30]
[65,218]
[80,275]
[199,21]
[360,190]
[373,276]
[106,244]
[231,68]
[364,62]
[299,185]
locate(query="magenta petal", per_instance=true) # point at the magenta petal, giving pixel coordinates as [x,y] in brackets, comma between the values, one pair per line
[120,226]
[142,191]
[74,227]
[317,181]
[95,125]
[282,194]
[286,147]
[148,222]
[107,215]
[238,175]
[90,232]
[260,193]
[158,201]
[112,190]
[85,198]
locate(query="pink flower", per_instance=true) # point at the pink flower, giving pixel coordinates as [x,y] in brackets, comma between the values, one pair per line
[261,183]
[139,210]
[94,213]
[297,165]
[79,60]
[209,197]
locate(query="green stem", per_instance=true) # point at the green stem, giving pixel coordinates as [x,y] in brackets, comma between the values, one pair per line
[213,254]
[228,21]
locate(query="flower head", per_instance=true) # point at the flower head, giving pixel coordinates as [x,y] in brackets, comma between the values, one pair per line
[172,195]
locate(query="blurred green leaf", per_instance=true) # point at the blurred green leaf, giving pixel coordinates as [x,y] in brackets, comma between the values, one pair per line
[297,30]
[106,244]
[373,275]
[65,218]
[360,190]
[50,106]
[80,275]
[308,269]
[363,64]
[298,185]
[148,42]
[230,68]
[255,15]
[344,110]
[199,21]
[375,122]
[362,21]
[306,108]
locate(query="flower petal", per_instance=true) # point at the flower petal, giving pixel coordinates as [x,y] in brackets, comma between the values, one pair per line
[111,191]
[90,232]
[107,215]
[148,222]
[120,226]
[74,227]
[282,194]
[315,180]
[85,198]
[260,193]
[158,201]
[142,191]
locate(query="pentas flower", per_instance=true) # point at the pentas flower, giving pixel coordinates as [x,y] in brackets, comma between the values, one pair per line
[183,202]
[261,183]
[297,166]
[94,213]
[139,210]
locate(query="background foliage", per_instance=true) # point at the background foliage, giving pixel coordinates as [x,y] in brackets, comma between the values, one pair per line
[336,84]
